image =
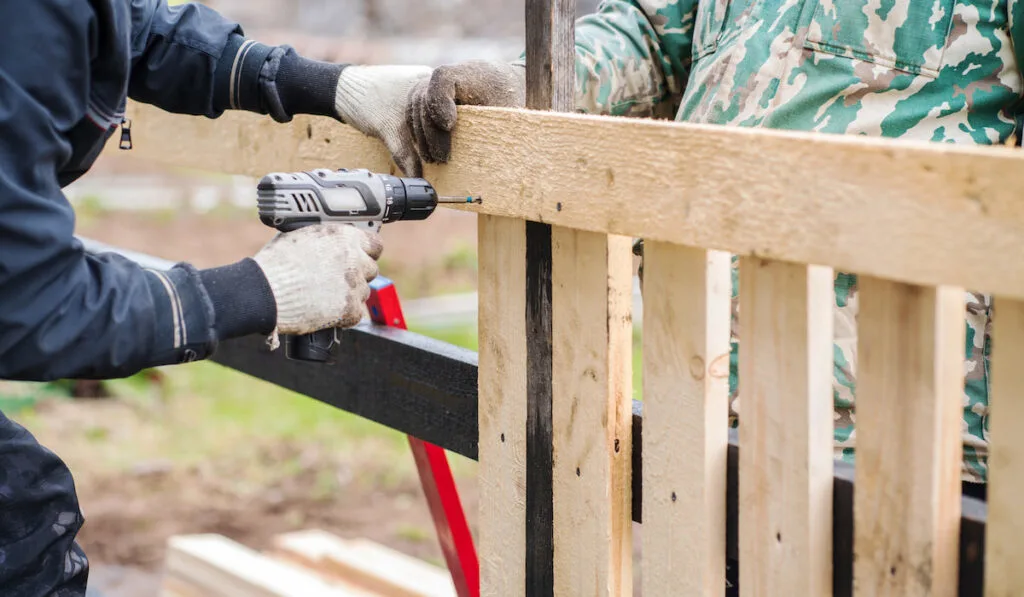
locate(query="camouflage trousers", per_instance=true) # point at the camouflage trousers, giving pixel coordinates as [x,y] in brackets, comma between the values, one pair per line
[39,518]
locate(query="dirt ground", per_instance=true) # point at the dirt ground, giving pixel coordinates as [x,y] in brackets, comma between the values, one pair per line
[248,493]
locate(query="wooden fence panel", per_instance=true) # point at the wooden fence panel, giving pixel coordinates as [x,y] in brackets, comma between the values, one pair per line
[1004,539]
[592,413]
[785,412]
[685,440]
[909,406]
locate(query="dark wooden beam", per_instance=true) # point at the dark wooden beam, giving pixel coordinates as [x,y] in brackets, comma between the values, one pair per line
[550,76]
[417,385]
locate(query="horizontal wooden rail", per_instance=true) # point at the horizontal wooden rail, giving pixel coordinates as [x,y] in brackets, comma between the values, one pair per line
[924,213]
[428,389]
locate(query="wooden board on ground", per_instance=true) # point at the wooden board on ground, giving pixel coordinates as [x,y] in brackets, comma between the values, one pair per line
[364,564]
[926,213]
[215,566]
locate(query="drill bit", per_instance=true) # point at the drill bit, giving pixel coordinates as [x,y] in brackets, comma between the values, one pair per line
[454,199]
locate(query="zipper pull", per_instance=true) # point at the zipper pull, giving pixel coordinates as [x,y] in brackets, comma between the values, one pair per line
[126,134]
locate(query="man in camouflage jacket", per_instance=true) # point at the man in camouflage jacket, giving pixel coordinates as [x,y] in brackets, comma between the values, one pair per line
[939,70]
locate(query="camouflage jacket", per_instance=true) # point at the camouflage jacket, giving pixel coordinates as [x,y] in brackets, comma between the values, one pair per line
[941,70]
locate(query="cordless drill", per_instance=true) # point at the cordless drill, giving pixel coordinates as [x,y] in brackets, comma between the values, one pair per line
[288,201]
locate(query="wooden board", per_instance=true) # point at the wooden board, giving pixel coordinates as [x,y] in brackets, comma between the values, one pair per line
[926,213]
[686,409]
[785,411]
[592,418]
[1004,537]
[365,564]
[909,408]
[215,566]
[502,407]
[550,85]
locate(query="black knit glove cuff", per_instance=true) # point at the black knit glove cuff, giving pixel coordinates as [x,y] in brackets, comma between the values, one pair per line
[293,85]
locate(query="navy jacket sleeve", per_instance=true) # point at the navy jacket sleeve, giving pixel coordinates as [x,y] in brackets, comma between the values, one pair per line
[189,59]
[64,313]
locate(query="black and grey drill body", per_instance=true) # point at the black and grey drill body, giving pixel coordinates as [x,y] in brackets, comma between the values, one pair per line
[289,201]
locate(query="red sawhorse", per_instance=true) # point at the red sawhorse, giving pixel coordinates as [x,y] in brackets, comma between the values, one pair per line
[435,473]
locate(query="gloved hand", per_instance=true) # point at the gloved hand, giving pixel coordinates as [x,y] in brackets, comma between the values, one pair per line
[412,109]
[319,276]
[372,99]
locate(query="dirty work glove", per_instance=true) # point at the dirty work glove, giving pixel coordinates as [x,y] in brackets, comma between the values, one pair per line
[373,99]
[319,276]
[412,108]
[431,111]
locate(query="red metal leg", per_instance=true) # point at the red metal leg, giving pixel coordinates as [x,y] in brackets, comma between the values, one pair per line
[435,473]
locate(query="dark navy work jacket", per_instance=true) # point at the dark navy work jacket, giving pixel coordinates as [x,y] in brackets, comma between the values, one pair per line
[66,69]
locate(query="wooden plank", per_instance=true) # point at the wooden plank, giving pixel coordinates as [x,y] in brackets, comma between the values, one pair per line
[539,446]
[417,385]
[592,413]
[1004,538]
[550,85]
[925,213]
[785,432]
[686,391]
[501,538]
[365,564]
[909,408]
[215,566]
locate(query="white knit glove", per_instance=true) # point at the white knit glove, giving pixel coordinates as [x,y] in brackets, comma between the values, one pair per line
[319,276]
[373,99]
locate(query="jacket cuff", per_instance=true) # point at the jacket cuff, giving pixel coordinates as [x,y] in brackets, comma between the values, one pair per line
[274,80]
[183,316]
[237,81]
[243,303]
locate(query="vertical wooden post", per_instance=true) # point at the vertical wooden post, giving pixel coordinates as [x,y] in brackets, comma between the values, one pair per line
[785,410]
[550,59]
[909,449]
[591,431]
[1004,535]
[686,411]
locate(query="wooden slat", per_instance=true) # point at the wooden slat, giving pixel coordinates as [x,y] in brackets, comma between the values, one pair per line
[785,411]
[502,418]
[1004,538]
[592,413]
[685,439]
[909,406]
[925,213]
[550,85]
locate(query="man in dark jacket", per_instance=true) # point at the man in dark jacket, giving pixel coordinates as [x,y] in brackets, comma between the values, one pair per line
[66,69]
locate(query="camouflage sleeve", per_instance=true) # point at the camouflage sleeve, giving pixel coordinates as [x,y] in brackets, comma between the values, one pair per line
[632,57]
